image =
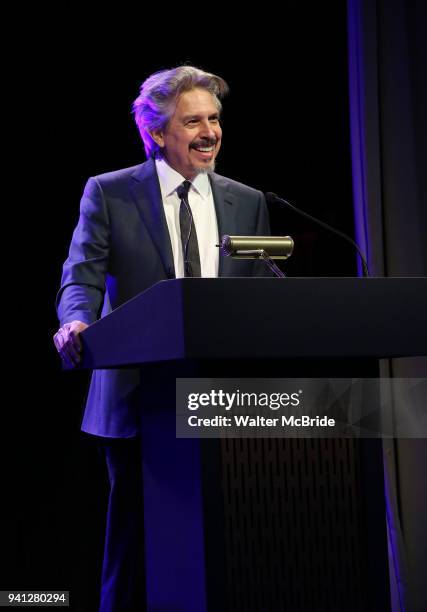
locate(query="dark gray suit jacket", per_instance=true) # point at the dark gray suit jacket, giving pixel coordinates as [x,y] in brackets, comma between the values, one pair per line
[120,247]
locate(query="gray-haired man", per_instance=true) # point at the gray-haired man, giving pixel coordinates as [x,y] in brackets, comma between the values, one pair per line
[158,220]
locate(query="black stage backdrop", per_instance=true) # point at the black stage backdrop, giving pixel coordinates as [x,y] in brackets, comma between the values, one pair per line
[286,130]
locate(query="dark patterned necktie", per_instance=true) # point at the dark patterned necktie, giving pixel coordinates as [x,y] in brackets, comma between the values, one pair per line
[190,247]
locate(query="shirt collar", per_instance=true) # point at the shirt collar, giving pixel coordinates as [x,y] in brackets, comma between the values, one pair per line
[170,179]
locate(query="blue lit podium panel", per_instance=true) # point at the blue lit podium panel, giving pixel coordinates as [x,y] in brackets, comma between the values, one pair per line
[261,524]
[261,318]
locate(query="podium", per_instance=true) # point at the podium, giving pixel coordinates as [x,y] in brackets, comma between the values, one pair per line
[272,524]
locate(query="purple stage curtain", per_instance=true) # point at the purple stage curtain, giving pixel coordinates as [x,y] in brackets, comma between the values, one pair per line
[387,43]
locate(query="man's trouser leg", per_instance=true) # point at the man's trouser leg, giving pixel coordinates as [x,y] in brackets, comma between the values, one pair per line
[123,576]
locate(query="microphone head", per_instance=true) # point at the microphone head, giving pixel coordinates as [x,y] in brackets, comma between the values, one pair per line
[271,197]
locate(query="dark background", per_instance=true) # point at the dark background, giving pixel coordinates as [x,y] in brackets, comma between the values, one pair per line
[286,130]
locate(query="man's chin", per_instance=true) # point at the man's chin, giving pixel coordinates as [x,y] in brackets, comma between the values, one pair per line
[208,169]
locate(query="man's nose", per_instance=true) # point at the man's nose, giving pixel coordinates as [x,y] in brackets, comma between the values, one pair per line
[207,130]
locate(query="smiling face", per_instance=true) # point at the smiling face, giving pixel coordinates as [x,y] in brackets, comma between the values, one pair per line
[192,138]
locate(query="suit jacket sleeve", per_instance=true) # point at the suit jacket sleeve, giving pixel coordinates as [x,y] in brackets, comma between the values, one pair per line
[82,291]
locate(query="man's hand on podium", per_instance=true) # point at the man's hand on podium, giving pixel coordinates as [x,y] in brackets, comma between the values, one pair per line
[68,343]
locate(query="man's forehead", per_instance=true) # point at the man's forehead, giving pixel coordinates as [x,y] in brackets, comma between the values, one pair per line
[195,101]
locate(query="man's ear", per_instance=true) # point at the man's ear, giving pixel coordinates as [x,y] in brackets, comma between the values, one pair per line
[157,136]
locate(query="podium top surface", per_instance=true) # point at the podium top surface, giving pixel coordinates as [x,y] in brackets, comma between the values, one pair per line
[220,318]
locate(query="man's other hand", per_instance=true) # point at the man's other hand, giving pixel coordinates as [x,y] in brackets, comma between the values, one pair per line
[68,343]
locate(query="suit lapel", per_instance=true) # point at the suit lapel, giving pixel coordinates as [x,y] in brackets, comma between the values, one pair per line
[225,206]
[145,189]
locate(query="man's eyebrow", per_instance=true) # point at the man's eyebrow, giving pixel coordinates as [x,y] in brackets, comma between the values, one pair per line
[212,116]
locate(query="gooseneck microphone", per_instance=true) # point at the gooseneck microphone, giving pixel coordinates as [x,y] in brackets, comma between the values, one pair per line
[272,198]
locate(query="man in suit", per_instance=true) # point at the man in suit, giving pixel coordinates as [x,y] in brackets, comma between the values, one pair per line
[156,221]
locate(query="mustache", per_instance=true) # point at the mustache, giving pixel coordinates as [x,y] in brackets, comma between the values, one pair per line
[205,142]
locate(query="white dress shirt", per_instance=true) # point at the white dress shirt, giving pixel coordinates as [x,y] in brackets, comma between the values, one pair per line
[202,206]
